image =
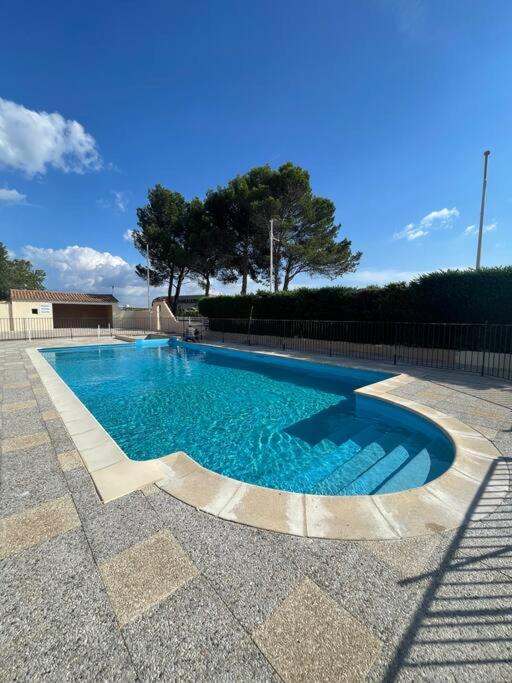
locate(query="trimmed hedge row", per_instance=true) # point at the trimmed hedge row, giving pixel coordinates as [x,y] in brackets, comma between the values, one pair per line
[465,296]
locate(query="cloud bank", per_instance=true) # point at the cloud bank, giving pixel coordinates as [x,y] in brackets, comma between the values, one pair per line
[11,197]
[85,269]
[32,142]
[435,220]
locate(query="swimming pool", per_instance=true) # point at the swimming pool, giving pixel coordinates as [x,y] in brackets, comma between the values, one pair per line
[279,423]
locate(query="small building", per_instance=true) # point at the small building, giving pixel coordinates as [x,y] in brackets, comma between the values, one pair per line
[187,303]
[34,308]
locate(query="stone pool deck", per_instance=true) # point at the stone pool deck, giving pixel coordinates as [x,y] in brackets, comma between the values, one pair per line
[148,588]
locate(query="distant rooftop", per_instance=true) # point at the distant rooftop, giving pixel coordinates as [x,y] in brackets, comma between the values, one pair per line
[61,297]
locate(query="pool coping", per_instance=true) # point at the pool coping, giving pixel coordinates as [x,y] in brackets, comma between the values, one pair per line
[442,504]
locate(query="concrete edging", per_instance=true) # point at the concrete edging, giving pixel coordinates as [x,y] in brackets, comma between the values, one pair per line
[442,504]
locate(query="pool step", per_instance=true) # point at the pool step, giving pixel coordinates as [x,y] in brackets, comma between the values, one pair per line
[422,465]
[404,453]
[330,461]
[364,460]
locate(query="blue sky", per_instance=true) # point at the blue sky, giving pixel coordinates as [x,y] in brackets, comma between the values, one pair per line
[388,103]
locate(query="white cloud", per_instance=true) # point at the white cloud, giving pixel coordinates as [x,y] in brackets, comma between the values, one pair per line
[439,219]
[378,277]
[128,235]
[435,220]
[472,229]
[410,232]
[120,201]
[11,197]
[32,141]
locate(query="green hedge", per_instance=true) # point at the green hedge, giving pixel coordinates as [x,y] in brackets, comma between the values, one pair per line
[443,296]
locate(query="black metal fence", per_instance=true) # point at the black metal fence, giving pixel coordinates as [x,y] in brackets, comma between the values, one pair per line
[55,328]
[481,348]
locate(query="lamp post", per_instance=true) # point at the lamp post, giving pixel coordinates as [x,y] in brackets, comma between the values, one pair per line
[272,240]
[271,253]
[147,269]
[482,212]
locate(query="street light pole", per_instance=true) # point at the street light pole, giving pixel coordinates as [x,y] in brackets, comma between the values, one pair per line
[271,253]
[482,212]
[147,269]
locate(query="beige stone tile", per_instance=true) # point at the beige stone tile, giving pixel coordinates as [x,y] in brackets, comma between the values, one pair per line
[124,477]
[19,405]
[418,512]
[16,385]
[50,414]
[99,457]
[37,525]
[145,574]
[70,460]
[348,517]
[309,637]
[408,556]
[16,443]
[266,509]
[202,488]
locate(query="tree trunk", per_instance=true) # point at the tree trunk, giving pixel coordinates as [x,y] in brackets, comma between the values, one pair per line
[245,271]
[287,278]
[179,281]
[169,288]
[207,285]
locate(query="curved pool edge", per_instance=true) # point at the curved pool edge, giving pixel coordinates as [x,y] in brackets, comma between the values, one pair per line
[440,505]
[443,504]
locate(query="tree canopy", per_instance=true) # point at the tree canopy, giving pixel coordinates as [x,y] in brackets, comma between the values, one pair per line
[226,235]
[17,274]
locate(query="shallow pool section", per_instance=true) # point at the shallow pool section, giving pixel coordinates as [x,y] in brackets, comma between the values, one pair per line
[281,423]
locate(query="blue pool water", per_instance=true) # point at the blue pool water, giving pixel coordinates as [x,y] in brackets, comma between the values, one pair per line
[279,423]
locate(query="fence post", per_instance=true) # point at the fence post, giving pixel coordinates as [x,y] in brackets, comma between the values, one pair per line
[395,326]
[486,335]
[98,331]
[223,330]
[109,331]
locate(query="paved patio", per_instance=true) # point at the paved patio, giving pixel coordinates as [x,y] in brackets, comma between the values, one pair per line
[147,588]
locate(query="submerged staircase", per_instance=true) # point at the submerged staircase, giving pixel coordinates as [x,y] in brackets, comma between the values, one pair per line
[366,460]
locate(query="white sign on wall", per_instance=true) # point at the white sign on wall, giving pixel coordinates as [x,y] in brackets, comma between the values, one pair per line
[45,309]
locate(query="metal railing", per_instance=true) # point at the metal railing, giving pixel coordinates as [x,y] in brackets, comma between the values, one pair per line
[484,348]
[54,328]
[480,348]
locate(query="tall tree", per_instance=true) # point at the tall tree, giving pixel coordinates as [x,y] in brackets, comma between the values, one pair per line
[231,210]
[17,274]
[163,229]
[304,227]
[209,247]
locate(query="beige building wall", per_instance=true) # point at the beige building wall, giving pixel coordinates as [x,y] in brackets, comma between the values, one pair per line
[5,310]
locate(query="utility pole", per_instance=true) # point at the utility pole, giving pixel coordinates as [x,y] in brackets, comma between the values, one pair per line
[271,253]
[482,212]
[147,269]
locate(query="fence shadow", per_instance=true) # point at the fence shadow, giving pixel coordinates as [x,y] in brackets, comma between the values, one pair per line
[462,629]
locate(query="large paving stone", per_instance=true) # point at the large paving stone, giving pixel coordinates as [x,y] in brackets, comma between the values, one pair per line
[36,525]
[111,527]
[244,565]
[310,637]
[30,477]
[21,422]
[145,574]
[57,622]
[193,637]
[59,436]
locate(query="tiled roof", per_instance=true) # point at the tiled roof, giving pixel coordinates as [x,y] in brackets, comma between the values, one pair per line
[61,297]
